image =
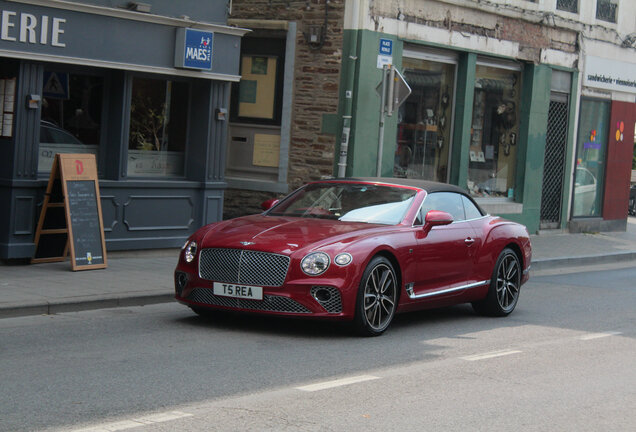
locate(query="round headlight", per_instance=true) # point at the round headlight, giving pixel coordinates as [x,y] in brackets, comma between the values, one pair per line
[343,259]
[315,263]
[190,251]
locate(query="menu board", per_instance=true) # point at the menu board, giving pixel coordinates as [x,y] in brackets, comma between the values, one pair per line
[74,191]
[86,229]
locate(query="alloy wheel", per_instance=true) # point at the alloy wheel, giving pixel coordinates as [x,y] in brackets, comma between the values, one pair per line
[380,294]
[508,280]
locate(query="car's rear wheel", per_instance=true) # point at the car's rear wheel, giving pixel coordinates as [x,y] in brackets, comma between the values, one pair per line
[632,206]
[377,298]
[505,284]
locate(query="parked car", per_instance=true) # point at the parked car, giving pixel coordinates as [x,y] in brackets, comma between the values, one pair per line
[360,250]
[632,201]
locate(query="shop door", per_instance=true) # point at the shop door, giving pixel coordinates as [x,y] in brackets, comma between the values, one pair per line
[554,162]
[591,148]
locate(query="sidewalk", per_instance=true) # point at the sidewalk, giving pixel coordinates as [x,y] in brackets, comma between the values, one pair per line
[145,277]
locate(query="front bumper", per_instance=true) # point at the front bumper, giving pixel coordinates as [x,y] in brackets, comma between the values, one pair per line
[302,299]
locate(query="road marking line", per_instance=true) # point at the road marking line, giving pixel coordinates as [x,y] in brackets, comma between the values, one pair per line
[337,383]
[591,336]
[133,423]
[490,355]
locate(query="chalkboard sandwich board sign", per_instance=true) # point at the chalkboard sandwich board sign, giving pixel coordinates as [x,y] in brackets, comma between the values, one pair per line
[73,190]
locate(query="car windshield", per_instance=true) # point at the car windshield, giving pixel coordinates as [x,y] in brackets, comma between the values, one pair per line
[349,202]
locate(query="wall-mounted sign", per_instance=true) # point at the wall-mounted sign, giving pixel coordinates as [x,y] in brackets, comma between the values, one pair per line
[193,49]
[385,53]
[29,28]
[610,74]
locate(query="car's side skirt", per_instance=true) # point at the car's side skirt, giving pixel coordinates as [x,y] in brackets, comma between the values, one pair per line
[412,295]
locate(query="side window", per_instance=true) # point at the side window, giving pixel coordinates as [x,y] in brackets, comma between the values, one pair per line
[472,211]
[448,202]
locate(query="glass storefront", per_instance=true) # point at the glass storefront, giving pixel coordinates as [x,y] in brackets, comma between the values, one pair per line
[71,115]
[424,122]
[591,146]
[494,132]
[158,125]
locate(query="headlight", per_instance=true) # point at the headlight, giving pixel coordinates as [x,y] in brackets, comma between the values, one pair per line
[315,263]
[343,259]
[190,251]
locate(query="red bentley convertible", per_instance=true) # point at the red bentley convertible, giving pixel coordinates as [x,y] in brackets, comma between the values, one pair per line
[360,250]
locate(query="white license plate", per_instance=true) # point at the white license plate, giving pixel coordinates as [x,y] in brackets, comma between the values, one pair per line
[238,291]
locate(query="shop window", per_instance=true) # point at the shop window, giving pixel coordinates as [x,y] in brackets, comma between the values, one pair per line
[71,115]
[606,10]
[590,158]
[494,132]
[158,125]
[254,147]
[424,129]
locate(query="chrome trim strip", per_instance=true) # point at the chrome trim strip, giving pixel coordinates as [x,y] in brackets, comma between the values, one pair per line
[446,290]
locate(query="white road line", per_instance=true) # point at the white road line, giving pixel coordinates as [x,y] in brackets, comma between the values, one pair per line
[490,355]
[337,383]
[591,336]
[137,422]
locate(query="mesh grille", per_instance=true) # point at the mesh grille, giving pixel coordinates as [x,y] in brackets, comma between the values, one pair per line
[244,267]
[568,5]
[269,303]
[606,10]
[554,164]
[331,305]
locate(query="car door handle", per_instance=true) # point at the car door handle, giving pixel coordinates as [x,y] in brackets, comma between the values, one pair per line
[469,241]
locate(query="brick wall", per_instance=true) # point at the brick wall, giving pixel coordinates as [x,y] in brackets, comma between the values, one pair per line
[315,92]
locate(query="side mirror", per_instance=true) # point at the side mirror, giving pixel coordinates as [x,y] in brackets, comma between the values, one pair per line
[437,218]
[266,205]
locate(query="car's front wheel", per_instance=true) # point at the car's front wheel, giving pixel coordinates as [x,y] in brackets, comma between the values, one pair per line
[505,284]
[377,298]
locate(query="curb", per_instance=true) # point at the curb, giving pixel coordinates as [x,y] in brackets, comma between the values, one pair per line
[586,260]
[51,308]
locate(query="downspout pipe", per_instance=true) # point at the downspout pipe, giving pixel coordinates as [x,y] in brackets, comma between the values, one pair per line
[352,61]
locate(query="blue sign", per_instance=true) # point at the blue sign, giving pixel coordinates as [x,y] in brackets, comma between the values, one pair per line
[194,49]
[55,85]
[386,47]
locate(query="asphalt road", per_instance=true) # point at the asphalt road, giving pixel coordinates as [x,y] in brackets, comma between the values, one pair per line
[564,360]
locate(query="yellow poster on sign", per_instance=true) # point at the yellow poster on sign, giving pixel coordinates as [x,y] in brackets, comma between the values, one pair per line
[266,150]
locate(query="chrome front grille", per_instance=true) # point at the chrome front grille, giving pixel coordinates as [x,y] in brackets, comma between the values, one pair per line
[243,267]
[270,303]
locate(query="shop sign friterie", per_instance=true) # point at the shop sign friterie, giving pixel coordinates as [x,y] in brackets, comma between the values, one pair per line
[610,74]
[31,29]
[193,49]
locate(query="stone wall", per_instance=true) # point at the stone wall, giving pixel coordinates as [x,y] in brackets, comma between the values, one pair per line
[315,93]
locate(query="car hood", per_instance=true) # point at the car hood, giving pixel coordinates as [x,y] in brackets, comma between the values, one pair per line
[283,234]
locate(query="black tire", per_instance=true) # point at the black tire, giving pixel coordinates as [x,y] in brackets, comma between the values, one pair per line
[632,206]
[377,298]
[505,285]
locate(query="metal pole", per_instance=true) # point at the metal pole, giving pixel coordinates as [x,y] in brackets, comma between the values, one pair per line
[378,170]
